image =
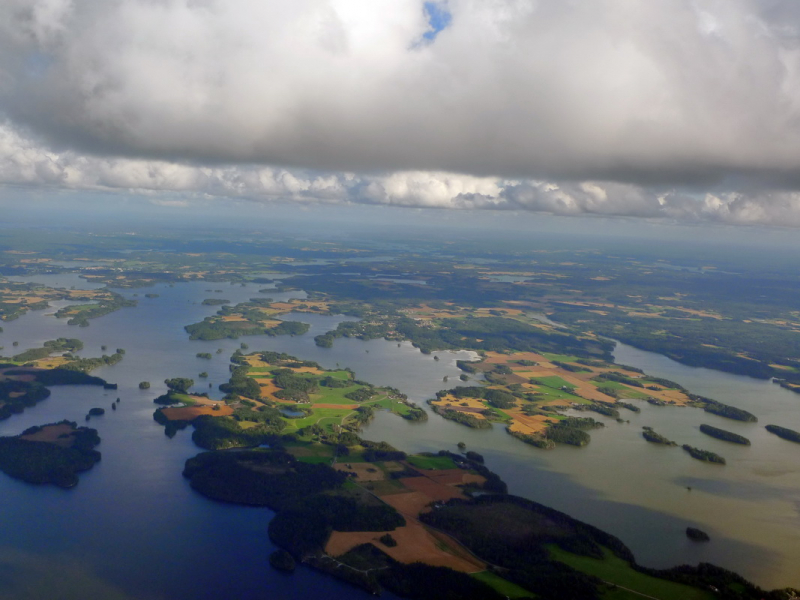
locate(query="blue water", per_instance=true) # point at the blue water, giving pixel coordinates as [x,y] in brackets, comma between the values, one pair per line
[133,528]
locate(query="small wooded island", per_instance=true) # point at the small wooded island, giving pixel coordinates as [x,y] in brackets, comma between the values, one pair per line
[726,436]
[785,433]
[53,453]
[704,455]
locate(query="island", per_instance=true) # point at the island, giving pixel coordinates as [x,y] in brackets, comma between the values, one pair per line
[704,455]
[656,438]
[727,436]
[785,433]
[50,454]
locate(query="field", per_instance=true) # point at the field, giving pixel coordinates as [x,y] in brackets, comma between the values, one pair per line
[508,589]
[415,543]
[431,462]
[330,407]
[411,496]
[548,382]
[617,571]
[188,413]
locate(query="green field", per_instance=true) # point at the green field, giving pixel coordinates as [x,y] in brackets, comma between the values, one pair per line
[341,375]
[401,408]
[629,392]
[553,381]
[500,585]
[567,358]
[615,570]
[431,462]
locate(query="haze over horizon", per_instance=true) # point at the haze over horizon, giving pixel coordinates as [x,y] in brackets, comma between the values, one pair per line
[683,111]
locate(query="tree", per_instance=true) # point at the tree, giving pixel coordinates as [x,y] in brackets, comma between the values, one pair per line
[179,384]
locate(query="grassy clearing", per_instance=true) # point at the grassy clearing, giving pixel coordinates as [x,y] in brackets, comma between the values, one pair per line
[567,358]
[341,375]
[553,381]
[500,585]
[628,392]
[617,571]
[393,405]
[333,395]
[432,462]
[185,398]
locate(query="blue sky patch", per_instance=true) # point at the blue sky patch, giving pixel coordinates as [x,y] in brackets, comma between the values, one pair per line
[438,18]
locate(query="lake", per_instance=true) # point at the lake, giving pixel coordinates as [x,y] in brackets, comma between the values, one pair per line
[134,529]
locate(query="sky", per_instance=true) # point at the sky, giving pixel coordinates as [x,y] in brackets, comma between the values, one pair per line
[675,110]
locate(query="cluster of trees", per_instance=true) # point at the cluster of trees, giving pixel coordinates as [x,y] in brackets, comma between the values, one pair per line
[218,433]
[381,451]
[240,384]
[214,302]
[362,394]
[570,430]
[294,386]
[729,412]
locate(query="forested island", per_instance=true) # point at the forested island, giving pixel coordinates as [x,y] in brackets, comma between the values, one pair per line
[724,435]
[656,438]
[53,453]
[785,433]
[704,455]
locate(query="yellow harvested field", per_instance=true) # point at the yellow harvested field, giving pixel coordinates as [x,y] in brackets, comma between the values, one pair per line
[312,370]
[51,362]
[415,543]
[267,385]
[456,403]
[529,424]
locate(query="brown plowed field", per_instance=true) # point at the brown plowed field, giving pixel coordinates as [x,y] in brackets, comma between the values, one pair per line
[414,544]
[433,489]
[408,503]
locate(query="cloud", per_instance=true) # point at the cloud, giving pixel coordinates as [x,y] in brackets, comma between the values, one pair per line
[24,163]
[685,109]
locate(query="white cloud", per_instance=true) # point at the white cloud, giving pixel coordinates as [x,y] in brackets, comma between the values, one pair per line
[612,107]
